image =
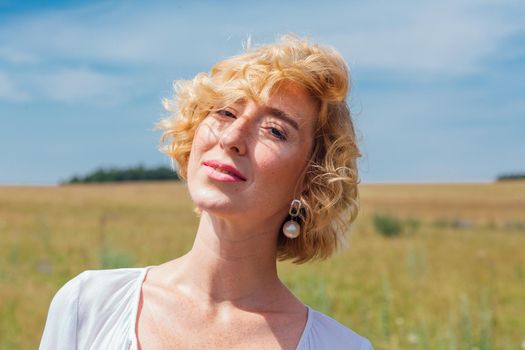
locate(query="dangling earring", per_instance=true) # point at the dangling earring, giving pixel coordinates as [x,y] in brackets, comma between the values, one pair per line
[291,228]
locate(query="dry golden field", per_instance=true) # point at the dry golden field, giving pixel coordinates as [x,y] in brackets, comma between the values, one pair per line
[453,279]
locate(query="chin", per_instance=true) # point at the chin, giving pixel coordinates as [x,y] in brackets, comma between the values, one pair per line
[214,202]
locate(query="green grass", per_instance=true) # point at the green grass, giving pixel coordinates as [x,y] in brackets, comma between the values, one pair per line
[453,279]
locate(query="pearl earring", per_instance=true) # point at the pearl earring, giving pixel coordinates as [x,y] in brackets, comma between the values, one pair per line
[291,228]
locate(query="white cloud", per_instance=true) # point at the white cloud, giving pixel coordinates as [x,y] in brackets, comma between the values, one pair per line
[9,91]
[16,56]
[68,85]
[82,85]
[448,37]
[117,33]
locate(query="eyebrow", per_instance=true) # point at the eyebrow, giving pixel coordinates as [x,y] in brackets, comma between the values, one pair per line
[283,116]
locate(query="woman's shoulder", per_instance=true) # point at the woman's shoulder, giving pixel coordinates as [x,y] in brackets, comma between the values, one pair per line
[95,283]
[104,291]
[92,286]
[323,332]
[107,281]
[92,304]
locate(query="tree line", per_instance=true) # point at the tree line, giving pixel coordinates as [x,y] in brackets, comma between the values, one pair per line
[136,173]
[514,176]
[161,173]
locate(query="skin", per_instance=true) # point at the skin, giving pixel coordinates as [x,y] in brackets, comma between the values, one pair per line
[225,293]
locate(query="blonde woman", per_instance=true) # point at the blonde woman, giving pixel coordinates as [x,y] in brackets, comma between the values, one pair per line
[266,144]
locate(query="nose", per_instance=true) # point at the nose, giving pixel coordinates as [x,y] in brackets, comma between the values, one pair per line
[233,137]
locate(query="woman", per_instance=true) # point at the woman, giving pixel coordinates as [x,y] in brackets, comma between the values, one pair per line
[266,144]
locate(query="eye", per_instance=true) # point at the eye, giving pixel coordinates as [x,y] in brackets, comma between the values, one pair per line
[226,113]
[277,133]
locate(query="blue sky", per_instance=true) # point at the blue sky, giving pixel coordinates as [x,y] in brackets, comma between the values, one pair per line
[438,87]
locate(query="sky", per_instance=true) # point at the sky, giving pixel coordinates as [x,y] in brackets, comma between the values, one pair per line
[438,87]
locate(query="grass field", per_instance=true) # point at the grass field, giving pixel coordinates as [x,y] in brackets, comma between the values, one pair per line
[453,279]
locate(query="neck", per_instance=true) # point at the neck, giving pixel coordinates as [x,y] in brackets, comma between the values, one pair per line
[232,261]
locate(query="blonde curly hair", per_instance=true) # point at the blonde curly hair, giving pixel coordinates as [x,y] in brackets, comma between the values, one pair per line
[330,197]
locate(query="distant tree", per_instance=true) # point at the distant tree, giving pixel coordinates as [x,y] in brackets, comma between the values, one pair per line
[513,176]
[138,173]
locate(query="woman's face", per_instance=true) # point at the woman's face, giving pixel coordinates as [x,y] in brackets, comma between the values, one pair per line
[247,159]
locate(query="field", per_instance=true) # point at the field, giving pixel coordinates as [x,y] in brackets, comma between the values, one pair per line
[453,279]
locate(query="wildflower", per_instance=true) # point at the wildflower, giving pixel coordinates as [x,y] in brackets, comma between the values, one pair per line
[412,338]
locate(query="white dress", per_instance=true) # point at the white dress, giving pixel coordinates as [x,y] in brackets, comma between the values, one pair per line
[98,310]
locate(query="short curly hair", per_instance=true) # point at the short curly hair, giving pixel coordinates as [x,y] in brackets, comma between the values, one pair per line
[330,196]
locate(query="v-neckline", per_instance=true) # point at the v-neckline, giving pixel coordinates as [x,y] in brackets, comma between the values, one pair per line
[133,340]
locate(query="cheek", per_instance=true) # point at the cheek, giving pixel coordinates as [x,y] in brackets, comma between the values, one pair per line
[203,140]
[281,169]
[203,135]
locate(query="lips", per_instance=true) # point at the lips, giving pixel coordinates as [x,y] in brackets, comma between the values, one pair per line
[225,169]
